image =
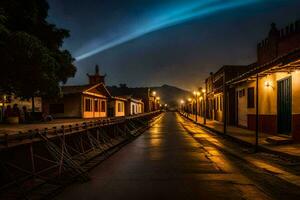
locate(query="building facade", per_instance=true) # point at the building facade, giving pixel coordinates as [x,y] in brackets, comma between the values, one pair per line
[134,106]
[266,97]
[215,86]
[144,94]
[271,89]
[81,101]
[117,107]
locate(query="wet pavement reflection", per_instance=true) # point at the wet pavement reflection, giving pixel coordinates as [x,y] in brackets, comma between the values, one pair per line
[166,162]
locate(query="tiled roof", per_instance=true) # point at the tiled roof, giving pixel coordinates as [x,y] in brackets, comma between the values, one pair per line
[74,89]
[283,59]
[77,89]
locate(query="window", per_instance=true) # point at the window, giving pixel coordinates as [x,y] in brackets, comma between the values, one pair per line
[103,106]
[88,105]
[132,109]
[250,97]
[119,107]
[96,105]
[221,103]
[56,108]
[242,93]
[217,103]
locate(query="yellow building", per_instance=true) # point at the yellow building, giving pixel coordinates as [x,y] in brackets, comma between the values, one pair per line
[117,107]
[269,93]
[85,101]
[134,106]
[81,101]
[265,97]
[278,96]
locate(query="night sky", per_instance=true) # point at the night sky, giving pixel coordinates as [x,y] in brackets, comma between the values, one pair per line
[155,42]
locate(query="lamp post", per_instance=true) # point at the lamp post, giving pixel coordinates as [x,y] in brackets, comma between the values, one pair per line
[181,105]
[154,103]
[189,105]
[196,94]
[158,102]
[204,103]
[2,109]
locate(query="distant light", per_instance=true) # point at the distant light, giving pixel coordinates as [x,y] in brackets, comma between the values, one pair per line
[166,105]
[154,93]
[189,99]
[203,90]
[158,98]
[181,101]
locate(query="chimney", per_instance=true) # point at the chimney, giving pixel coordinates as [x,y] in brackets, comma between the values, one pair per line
[97,77]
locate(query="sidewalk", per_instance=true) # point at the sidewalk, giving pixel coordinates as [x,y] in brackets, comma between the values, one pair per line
[247,137]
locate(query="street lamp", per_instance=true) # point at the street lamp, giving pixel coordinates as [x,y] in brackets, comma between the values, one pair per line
[189,105]
[204,103]
[181,105]
[157,101]
[196,94]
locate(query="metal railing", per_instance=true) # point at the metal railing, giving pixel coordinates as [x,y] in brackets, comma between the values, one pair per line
[39,163]
[11,140]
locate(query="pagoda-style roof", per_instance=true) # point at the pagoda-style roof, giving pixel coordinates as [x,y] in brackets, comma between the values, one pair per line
[86,89]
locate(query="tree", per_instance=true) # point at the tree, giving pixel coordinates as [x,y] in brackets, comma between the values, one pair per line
[31,58]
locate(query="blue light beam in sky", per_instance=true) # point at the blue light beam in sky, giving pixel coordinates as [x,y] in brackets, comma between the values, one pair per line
[198,9]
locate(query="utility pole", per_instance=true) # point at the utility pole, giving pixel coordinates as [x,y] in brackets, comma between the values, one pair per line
[224,104]
[256,117]
[204,103]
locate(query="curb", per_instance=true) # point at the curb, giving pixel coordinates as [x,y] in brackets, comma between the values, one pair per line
[245,143]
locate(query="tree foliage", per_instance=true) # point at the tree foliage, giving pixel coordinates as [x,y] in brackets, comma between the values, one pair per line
[32,61]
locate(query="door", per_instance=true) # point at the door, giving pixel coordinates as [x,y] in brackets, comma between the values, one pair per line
[132,109]
[284,105]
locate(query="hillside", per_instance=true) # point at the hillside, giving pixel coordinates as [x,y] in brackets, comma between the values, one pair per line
[171,95]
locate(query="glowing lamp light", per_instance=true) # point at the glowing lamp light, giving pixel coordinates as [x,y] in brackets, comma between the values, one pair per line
[189,99]
[203,90]
[166,105]
[268,84]
[181,101]
[196,93]
[158,98]
[153,93]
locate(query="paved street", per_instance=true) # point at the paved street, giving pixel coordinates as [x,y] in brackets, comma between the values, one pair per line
[166,163]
